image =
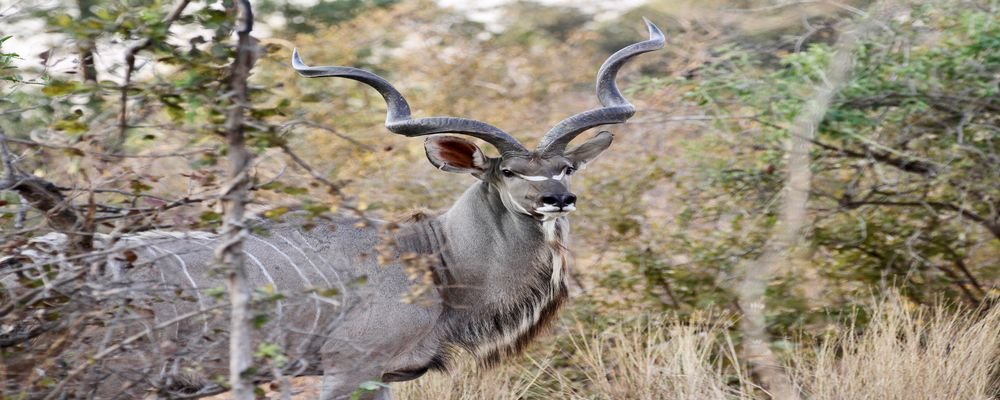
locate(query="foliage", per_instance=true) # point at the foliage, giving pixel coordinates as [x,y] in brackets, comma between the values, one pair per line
[905,164]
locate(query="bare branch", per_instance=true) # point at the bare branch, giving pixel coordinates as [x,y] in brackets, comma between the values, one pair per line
[130,68]
[86,46]
[914,166]
[311,124]
[235,194]
[758,273]
[57,391]
[334,187]
[110,155]
[993,227]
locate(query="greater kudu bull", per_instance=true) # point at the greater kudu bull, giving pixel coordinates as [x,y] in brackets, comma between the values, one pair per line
[496,261]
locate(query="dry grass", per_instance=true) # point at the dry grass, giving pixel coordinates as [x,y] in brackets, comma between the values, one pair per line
[906,353]
[637,360]
[909,353]
[507,382]
[659,360]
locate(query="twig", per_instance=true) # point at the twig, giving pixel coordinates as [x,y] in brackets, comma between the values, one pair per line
[10,172]
[908,165]
[55,393]
[334,187]
[994,228]
[130,68]
[291,124]
[109,155]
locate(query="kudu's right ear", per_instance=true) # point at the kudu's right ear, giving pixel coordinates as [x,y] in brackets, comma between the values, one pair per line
[452,154]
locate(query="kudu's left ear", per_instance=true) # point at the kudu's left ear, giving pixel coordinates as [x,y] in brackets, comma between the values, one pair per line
[452,154]
[589,150]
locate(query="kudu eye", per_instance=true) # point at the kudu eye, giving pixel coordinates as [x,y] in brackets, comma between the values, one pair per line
[508,173]
[569,171]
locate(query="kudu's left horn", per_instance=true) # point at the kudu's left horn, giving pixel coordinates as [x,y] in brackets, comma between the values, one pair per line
[398,119]
[616,109]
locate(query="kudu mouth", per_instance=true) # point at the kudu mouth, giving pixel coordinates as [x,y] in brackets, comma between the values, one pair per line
[548,213]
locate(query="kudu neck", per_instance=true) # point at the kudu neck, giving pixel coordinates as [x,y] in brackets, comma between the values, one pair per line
[485,243]
[480,210]
[481,244]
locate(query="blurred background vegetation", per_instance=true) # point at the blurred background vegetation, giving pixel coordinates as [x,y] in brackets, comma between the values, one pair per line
[905,195]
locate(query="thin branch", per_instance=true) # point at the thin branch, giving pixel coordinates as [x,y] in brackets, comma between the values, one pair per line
[993,227]
[235,194]
[10,171]
[86,45]
[792,218]
[56,392]
[45,196]
[130,68]
[914,166]
[110,155]
[291,124]
[334,187]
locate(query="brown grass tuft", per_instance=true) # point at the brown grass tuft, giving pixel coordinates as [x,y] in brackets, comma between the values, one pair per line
[908,353]
[660,360]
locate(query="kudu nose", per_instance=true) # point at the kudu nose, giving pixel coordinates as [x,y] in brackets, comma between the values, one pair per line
[559,200]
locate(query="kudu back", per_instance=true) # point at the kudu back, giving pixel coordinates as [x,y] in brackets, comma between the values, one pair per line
[358,300]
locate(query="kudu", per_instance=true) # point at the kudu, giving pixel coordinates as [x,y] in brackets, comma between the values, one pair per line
[497,261]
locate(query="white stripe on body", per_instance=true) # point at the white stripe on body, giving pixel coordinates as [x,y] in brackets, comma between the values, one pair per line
[308,283]
[197,291]
[306,257]
[336,274]
[163,279]
[269,279]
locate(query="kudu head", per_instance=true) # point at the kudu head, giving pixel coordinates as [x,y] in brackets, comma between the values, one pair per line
[530,182]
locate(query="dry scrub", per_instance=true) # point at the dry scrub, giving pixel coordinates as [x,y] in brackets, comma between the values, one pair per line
[906,353]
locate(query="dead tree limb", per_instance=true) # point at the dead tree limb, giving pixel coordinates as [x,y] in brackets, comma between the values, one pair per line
[40,194]
[758,273]
[235,195]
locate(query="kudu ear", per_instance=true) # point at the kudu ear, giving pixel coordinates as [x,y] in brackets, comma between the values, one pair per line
[589,150]
[452,154]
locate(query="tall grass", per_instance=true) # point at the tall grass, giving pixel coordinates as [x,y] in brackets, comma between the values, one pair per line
[904,353]
[506,382]
[659,360]
[909,353]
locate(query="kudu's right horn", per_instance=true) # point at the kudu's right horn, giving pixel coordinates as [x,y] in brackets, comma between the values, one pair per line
[398,119]
[616,109]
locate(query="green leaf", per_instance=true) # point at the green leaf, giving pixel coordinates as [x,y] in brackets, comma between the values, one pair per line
[60,88]
[210,216]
